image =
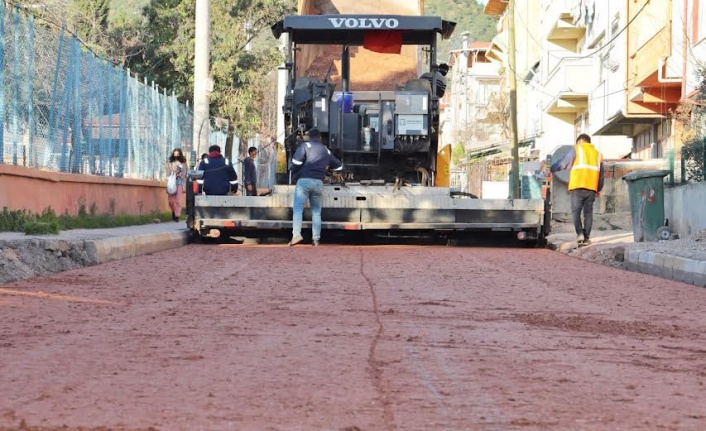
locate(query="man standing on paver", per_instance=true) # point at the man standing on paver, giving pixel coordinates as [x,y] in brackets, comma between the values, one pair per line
[309,164]
[585,183]
[250,173]
[217,172]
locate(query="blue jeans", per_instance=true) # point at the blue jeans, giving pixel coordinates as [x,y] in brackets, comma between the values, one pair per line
[311,189]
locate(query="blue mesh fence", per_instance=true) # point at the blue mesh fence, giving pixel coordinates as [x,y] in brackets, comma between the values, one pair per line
[64,109]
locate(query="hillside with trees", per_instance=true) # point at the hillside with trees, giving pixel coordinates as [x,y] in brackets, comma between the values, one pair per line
[468,16]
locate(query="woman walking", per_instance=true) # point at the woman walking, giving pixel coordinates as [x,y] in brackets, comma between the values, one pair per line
[177,167]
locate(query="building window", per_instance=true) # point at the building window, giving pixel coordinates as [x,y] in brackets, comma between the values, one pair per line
[651,143]
[615,25]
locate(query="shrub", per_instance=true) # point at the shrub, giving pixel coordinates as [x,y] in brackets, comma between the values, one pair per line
[47,222]
[694,160]
[42,228]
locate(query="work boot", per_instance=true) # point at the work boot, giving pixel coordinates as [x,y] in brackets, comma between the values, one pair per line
[295,240]
[580,239]
[315,243]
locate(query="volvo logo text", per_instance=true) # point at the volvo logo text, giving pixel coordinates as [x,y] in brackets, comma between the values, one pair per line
[364,22]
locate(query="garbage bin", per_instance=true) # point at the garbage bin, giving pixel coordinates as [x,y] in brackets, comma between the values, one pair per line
[646,191]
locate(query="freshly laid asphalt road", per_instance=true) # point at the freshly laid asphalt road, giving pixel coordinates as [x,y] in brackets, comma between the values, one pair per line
[237,337]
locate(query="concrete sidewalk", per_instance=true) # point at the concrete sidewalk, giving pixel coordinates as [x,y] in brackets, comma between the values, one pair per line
[23,256]
[105,245]
[681,260]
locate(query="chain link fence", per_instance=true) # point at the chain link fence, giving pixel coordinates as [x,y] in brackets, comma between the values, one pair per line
[63,108]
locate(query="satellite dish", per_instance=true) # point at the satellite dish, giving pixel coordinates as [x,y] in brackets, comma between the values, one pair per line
[562,176]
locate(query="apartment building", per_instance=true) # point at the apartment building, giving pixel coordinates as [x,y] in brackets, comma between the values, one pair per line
[477,106]
[650,49]
[528,54]
[616,70]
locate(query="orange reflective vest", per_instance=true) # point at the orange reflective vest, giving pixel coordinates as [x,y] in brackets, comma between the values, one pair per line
[586,170]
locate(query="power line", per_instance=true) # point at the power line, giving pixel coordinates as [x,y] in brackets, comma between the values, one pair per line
[540,90]
[524,24]
[615,36]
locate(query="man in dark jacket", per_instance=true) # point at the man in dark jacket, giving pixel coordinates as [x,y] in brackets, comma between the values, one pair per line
[309,164]
[250,173]
[217,172]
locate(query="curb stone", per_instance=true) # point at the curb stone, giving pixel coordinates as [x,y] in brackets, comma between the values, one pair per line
[22,258]
[110,249]
[658,264]
[667,266]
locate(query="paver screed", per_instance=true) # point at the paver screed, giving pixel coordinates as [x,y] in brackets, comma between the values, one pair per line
[235,337]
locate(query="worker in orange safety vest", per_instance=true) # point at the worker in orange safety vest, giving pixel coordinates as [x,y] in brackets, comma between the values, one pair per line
[585,183]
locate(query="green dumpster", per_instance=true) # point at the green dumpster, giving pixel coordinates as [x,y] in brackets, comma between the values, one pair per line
[646,191]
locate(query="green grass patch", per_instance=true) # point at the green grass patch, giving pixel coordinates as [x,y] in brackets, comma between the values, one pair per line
[49,223]
[42,228]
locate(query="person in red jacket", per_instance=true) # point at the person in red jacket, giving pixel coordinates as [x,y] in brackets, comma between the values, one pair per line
[585,183]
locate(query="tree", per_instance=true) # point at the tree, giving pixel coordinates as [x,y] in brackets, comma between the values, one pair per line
[468,16]
[90,21]
[691,117]
[243,52]
[458,155]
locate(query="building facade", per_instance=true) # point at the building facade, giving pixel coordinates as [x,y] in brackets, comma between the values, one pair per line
[617,70]
[477,106]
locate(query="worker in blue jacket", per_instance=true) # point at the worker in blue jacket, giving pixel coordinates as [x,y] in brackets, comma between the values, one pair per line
[218,173]
[309,164]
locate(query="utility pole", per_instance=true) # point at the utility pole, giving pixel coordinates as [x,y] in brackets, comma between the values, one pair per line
[515,178]
[202,83]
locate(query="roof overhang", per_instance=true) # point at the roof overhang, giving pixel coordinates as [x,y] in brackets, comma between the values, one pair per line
[567,102]
[351,29]
[495,7]
[564,28]
[663,95]
[498,48]
[622,125]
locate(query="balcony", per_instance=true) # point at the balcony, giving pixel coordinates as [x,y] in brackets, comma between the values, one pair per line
[570,81]
[608,113]
[559,21]
[498,48]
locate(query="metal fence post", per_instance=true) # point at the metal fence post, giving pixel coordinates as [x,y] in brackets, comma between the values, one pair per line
[121,134]
[683,165]
[16,87]
[31,151]
[76,150]
[703,159]
[111,118]
[2,82]
[48,149]
[671,167]
[66,97]
[104,116]
[90,114]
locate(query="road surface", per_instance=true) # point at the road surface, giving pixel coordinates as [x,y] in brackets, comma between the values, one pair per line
[235,337]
